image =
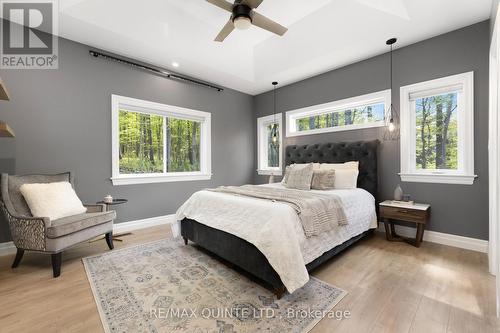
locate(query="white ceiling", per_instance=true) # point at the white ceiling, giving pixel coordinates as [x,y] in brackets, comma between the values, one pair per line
[322,35]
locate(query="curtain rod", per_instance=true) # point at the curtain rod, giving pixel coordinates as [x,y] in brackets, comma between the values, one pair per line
[153,70]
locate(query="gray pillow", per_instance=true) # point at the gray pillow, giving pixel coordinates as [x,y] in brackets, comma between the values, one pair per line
[323,179]
[287,173]
[300,176]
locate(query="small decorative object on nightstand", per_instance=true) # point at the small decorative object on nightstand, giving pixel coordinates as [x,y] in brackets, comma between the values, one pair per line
[397,210]
[109,201]
[398,193]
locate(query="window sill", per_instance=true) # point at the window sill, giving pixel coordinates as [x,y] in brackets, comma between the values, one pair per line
[438,178]
[269,172]
[149,179]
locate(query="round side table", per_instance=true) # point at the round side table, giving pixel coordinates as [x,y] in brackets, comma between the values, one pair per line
[115,202]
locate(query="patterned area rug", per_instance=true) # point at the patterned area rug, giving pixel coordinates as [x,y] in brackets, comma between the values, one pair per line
[166,286]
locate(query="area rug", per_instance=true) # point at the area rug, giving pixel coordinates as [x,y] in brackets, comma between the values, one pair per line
[166,286]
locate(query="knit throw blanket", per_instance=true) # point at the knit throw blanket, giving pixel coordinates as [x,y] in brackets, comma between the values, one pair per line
[317,212]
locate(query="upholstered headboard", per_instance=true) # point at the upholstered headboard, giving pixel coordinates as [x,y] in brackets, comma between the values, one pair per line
[339,152]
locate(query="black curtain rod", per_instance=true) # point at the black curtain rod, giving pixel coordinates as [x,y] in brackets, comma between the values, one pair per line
[156,71]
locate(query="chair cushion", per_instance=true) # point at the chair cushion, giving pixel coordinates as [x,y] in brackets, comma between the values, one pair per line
[74,223]
[15,182]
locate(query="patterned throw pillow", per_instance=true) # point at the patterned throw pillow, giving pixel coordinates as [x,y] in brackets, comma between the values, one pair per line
[323,179]
[287,173]
[300,176]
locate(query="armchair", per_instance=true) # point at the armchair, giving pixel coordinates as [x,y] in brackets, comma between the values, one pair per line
[40,234]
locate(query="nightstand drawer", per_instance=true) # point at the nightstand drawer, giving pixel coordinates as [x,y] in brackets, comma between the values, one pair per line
[403,214]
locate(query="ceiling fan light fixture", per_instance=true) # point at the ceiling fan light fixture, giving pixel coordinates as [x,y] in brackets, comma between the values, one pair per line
[242,22]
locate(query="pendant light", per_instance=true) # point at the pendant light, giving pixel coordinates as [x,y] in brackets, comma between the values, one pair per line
[274,129]
[391,114]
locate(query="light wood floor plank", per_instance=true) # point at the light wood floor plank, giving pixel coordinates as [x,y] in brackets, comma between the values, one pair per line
[393,287]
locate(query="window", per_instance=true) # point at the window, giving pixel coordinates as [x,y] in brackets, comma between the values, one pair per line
[437,130]
[269,152]
[352,113]
[155,142]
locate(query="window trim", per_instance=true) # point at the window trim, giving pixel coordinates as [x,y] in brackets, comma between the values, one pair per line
[383,96]
[262,123]
[464,83]
[137,105]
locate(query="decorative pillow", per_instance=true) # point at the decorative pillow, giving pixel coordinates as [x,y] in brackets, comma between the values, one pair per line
[52,200]
[323,179]
[316,166]
[300,176]
[287,173]
[346,178]
[336,166]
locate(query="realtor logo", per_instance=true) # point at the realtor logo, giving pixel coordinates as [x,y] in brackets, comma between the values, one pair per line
[29,34]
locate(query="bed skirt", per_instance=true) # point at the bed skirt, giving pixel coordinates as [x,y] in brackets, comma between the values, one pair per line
[245,255]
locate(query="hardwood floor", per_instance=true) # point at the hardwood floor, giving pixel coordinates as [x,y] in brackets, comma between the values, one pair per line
[393,287]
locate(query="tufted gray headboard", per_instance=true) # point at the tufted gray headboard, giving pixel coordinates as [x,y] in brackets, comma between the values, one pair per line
[339,152]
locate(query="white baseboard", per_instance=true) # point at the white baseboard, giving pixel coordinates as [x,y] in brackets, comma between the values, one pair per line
[144,223]
[467,243]
[9,248]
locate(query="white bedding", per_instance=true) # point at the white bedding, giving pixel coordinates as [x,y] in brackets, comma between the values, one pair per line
[275,229]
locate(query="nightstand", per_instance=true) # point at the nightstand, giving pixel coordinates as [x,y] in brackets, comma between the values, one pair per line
[416,213]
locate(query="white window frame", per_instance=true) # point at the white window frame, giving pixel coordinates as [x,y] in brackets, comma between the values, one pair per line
[262,148]
[464,85]
[138,105]
[383,96]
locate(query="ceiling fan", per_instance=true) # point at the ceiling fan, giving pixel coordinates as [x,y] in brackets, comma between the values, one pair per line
[243,15]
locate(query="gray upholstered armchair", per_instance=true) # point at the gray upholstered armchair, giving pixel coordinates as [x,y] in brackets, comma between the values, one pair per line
[38,233]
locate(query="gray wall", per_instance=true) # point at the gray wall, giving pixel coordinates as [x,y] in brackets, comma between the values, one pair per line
[456,209]
[62,121]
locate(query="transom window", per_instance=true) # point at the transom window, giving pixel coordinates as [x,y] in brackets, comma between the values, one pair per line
[155,142]
[269,145]
[437,133]
[353,113]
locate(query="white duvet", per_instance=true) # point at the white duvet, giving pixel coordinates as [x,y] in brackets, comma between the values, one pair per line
[275,229]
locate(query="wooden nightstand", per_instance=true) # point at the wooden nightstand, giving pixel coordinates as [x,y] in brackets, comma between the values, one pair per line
[416,213]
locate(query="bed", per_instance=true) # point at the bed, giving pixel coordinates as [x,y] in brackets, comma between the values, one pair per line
[220,222]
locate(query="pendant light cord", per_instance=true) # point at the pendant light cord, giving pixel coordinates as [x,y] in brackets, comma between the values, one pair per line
[391,67]
[274,102]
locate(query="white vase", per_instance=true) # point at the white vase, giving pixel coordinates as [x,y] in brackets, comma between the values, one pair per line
[398,193]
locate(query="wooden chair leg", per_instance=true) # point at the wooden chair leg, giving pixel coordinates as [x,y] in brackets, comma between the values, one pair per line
[19,256]
[109,240]
[56,263]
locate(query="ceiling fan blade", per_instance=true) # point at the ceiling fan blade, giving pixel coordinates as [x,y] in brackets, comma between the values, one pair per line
[252,3]
[226,30]
[267,24]
[222,4]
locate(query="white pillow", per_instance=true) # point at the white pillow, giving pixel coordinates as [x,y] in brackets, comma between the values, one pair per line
[346,178]
[52,200]
[336,166]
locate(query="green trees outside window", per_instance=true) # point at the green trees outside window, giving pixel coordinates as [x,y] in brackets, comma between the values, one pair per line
[437,132]
[273,150]
[356,116]
[146,138]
